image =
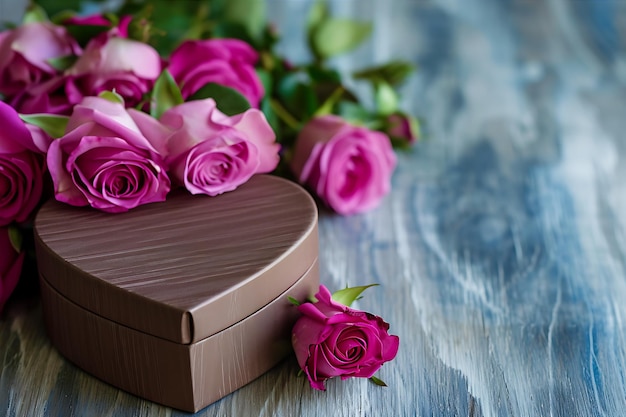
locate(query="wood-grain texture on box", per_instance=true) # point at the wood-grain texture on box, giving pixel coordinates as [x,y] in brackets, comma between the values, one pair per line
[186,268]
[187,377]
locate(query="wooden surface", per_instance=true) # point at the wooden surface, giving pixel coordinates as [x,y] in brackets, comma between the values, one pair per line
[501,252]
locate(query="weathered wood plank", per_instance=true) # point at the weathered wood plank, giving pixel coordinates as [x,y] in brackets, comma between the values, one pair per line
[501,252]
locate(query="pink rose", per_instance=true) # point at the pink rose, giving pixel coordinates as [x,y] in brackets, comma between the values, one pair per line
[228,62]
[349,167]
[25,52]
[211,153]
[331,339]
[110,158]
[115,63]
[99,20]
[54,96]
[21,167]
[10,266]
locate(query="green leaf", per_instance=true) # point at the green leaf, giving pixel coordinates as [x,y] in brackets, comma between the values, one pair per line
[297,95]
[317,14]
[270,115]
[393,73]
[228,101]
[35,14]
[348,295]
[336,36]
[52,124]
[250,14]
[293,301]
[378,381]
[62,63]
[353,112]
[16,238]
[165,94]
[266,80]
[112,96]
[386,98]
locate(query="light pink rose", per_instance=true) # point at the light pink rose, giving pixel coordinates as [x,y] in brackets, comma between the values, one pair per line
[113,62]
[331,339]
[10,266]
[99,20]
[228,62]
[348,167]
[109,158]
[21,167]
[211,153]
[25,52]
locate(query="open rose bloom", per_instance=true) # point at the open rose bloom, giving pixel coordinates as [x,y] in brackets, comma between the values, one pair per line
[348,167]
[110,158]
[211,153]
[331,339]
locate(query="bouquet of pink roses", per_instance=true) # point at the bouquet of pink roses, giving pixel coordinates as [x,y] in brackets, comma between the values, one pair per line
[114,110]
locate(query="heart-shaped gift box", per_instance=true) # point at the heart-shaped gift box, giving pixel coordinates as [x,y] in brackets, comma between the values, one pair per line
[180,302]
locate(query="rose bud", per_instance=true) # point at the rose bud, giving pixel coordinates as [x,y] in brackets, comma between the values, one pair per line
[110,158]
[348,167]
[228,62]
[21,167]
[25,53]
[211,153]
[402,128]
[10,266]
[331,339]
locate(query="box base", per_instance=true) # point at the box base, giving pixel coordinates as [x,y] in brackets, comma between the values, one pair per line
[187,377]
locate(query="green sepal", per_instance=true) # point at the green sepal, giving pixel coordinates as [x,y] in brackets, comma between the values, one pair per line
[35,14]
[112,96]
[386,98]
[294,301]
[62,63]
[335,36]
[53,125]
[16,238]
[300,373]
[348,295]
[165,94]
[377,381]
[228,100]
[393,73]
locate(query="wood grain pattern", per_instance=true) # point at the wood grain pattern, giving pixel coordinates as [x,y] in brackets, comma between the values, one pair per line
[501,252]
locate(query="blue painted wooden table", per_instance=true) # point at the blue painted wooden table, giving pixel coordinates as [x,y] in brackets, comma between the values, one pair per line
[501,252]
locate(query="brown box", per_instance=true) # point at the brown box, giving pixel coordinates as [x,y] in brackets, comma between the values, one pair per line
[180,302]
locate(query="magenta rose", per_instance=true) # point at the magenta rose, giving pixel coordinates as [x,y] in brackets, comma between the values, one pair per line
[21,167]
[115,63]
[109,158]
[228,62]
[54,96]
[348,167]
[211,153]
[10,266]
[25,53]
[331,339]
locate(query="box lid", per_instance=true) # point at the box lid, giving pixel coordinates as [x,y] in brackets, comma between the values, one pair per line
[186,268]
